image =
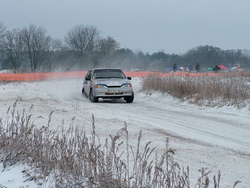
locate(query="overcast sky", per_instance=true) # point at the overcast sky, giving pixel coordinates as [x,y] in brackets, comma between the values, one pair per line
[172,26]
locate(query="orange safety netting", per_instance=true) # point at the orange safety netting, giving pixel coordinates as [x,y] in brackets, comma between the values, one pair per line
[81,74]
[40,76]
[181,74]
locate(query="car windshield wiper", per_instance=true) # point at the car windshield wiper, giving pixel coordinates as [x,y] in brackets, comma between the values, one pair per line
[116,77]
[101,77]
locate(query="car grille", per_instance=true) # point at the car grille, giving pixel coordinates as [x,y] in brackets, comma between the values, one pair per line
[114,86]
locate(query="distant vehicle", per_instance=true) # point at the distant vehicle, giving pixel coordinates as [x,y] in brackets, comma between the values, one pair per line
[135,70]
[6,71]
[107,84]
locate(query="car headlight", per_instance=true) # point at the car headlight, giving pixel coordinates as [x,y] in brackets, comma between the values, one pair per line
[100,86]
[127,85]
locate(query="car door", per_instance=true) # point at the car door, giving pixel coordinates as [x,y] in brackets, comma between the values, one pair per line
[86,82]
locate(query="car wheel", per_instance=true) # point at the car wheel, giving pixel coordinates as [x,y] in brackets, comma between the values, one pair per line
[83,90]
[129,99]
[91,97]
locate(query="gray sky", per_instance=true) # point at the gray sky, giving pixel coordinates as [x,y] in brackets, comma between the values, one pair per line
[172,26]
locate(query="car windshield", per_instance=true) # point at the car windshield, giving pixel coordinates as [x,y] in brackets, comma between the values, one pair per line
[108,73]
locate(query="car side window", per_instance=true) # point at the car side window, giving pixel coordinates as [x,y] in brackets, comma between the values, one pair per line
[88,76]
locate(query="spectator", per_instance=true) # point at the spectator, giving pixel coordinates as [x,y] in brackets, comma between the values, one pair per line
[238,67]
[190,67]
[67,69]
[174,67]
[216,68]
[230,67]
[197,67]
[185,68]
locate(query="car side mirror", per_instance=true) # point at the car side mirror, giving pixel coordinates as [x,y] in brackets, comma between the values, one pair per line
[87,78]
[129,78]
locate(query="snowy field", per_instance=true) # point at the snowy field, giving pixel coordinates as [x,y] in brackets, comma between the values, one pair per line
[216,138]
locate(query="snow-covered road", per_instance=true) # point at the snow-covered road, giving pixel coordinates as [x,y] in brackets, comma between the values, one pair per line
[216,138]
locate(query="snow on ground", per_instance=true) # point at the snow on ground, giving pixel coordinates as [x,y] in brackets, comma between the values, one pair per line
[216,138]
[12,177]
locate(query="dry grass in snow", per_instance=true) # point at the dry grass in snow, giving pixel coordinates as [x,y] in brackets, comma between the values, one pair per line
[70,158]
[209,91]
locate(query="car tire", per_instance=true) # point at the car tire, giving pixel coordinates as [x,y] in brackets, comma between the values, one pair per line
[91,97]
[83,90]
[129,99]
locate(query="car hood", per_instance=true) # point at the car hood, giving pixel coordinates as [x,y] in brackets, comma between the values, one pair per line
[112,81]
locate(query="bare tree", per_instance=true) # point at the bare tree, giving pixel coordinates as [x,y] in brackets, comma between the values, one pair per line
[52,46]
[2,31]
[35,44]
[2,35]
[107,47]
[83,41]
[13,48]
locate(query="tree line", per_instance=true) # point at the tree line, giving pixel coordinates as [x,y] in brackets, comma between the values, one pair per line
[31,49]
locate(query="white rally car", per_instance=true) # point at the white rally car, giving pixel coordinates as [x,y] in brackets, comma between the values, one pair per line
[107,83]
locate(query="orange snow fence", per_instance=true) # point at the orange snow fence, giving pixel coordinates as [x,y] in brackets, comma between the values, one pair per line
[81,74]
[40,76]
[179,74]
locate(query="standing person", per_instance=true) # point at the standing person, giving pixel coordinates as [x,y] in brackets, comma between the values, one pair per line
[238,67]
[185,68]
[174,67]
[190,67]
[229,67]
[197,67]
[216,68]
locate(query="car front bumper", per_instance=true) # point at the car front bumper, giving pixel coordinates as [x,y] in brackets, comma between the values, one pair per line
[113,92]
